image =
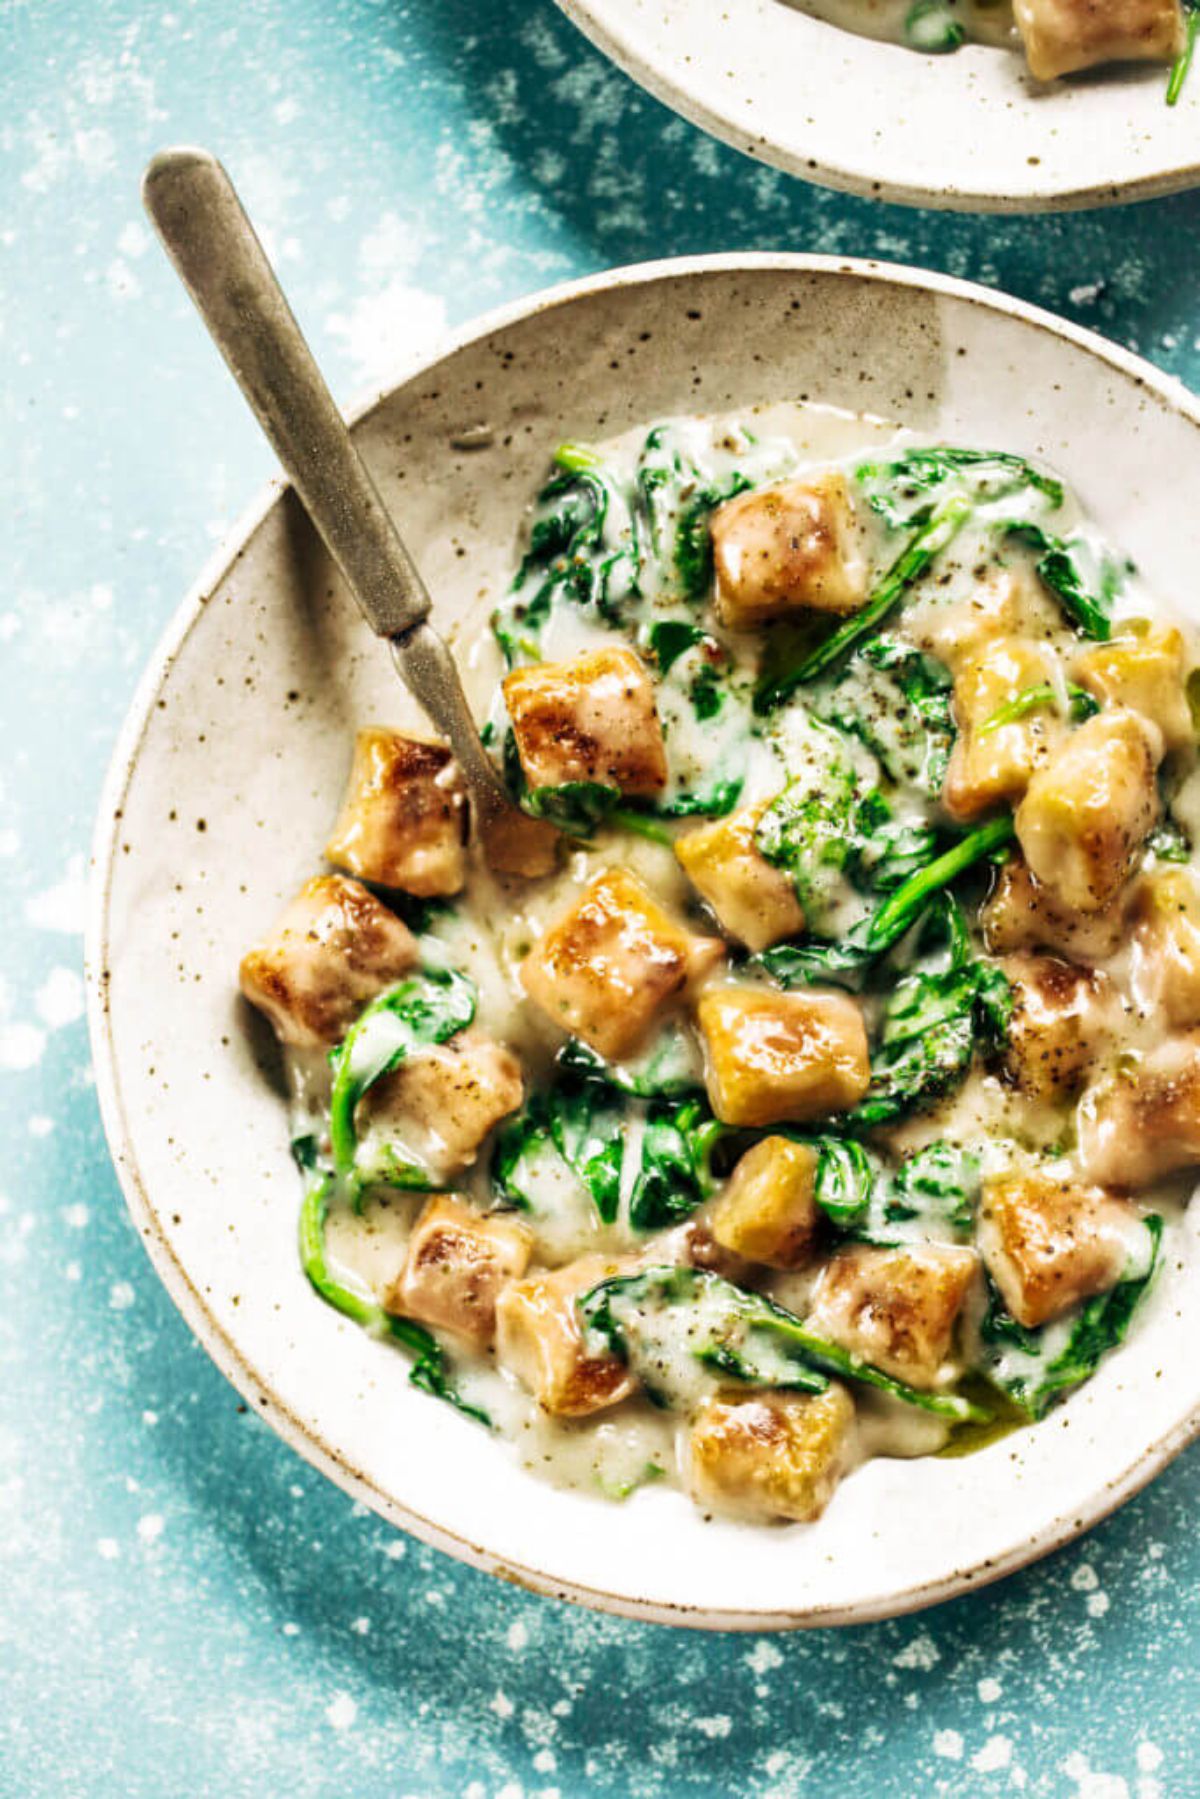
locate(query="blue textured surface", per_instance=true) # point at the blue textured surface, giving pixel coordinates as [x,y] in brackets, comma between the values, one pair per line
[185,1607]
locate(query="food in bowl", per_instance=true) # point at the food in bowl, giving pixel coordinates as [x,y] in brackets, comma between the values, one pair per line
[834,1096]
[1057,37]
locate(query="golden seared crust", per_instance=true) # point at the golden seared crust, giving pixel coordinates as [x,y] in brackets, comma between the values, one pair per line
[1049,1242]
[768,1211]
[1022,914]
[610,964]
[785,549]
[779,1057]
[1086,814]
[440,1104]
[896,1307]
[1063,36]
[592,719]
[1063,1016]
[770,1455]
[330,951]
[1145,1122]
[403,821]
[989,764]
[457,1262]
[540,1339]
[1166,945]
[1143,668]
[753,900]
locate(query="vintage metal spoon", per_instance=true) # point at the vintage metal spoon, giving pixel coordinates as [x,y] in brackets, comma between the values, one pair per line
[206,233]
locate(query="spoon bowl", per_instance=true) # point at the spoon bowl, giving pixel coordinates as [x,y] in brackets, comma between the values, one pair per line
[196,1127]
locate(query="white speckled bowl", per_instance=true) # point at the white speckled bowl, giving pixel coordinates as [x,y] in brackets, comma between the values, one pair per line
[972,131]
[220,796]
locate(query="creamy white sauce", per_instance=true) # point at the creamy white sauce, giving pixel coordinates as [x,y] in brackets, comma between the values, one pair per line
[495,922]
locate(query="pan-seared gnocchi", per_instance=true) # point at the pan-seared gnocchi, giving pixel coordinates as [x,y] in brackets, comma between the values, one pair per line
[832,1096]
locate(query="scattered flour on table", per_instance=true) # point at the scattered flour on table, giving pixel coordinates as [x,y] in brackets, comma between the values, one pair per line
[922,1653]
[61,907]
[21,1046]
[763,1658]
[341,1711]
[714,1728]
[1092,1784]
[995,1754]
[59,999]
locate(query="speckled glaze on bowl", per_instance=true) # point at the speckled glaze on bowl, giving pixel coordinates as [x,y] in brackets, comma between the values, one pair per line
[221,792]
[972,132]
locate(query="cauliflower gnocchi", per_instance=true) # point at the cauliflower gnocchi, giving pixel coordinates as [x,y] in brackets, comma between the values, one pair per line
[826,1099]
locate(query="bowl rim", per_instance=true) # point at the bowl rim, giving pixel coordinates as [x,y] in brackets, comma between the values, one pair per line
[675,88]
[299,1434]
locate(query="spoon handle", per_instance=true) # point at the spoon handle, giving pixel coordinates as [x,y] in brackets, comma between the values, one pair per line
[206,233]
[210,240]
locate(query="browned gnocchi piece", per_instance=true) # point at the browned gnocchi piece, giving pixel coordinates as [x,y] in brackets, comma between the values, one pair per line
[785,549]
[1021,914]
[774,1057]
[1166,946]
[403,821]
[1063,36]
[1144,667]
[333,948]
[605,971]
[768,1211]
[540,1339]
[439,1105]
[1144,1122]
[1006,602]
[1063,1016]
[1049,1242]
[895,1307]
[593,719]
[1088,811]
[991,761]
[770,1455]
[458,1261]
[752,899]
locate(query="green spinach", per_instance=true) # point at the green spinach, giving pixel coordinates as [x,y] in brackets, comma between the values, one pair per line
[1037,1367]
[933,1021]
[574,554]
[1081,705]
[661,1318]
[777,683]
[430,1369]
[1084,583]
[662,1149]
[424,1009]
[677,501]
[898,701]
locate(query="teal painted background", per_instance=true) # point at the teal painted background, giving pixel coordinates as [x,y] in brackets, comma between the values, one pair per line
[185,1607]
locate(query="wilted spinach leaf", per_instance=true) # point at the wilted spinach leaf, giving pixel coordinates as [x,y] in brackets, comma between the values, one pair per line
[422,1010]
[1036,1367]
[662,1318]
[1085,584]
